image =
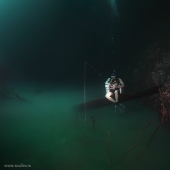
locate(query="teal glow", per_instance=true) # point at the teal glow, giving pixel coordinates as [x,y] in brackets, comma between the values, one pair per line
[114,6]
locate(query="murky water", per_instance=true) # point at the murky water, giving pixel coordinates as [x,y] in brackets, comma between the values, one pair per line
[47,133]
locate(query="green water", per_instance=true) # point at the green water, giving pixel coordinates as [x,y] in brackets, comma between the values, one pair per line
[47,133]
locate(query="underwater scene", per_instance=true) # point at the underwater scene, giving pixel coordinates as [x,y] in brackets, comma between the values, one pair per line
[85,84]
[47,132]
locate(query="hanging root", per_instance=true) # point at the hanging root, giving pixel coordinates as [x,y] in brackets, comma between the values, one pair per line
[134,146]
[153,135]
[85,68]
[92,118]
[107,148]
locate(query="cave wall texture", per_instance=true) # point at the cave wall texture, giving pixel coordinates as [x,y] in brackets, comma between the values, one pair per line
[153,67]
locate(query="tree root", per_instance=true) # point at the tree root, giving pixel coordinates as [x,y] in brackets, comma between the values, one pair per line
[6,91]
[92,118]
[133,147]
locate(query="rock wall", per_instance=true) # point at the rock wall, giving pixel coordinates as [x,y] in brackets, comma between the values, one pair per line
[153,69]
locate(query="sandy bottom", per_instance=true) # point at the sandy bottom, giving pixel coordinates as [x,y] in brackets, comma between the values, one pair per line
[45,132]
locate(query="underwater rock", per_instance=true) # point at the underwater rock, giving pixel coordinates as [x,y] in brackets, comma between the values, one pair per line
[154,69]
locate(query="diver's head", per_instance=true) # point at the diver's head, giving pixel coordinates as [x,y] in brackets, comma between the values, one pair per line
[113,75]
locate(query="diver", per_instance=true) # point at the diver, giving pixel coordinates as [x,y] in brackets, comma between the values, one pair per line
[114,86]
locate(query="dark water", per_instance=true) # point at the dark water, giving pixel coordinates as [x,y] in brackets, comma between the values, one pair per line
[51,40]
[43,48]
[47,133]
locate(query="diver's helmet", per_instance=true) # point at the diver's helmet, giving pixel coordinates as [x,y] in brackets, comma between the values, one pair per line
[113,75]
